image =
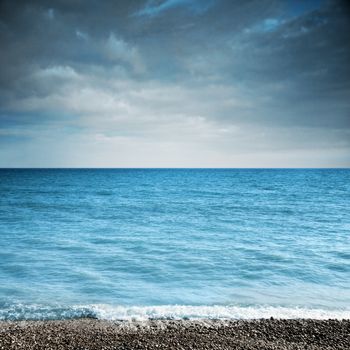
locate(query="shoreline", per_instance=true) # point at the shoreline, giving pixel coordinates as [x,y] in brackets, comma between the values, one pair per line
[92,334]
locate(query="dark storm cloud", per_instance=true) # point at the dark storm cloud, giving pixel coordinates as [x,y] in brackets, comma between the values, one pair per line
[243,76]
[303,66]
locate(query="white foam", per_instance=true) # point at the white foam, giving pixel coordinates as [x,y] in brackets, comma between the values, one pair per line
[140,313]
[176,312]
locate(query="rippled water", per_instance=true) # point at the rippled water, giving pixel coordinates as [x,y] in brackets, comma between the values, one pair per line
[217,243]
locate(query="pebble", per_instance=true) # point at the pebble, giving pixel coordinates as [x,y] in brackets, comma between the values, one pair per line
[91,334]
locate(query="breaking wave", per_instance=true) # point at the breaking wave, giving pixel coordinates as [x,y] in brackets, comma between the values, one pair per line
[174,312]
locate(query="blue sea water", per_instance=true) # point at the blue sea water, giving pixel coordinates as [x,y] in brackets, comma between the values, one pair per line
[174,243]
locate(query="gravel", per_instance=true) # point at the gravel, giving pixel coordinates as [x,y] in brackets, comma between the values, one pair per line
[167,334]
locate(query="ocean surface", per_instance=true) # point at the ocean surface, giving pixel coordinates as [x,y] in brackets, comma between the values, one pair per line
[174,243]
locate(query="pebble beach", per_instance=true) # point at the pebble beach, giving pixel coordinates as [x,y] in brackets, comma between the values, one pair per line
[180,334]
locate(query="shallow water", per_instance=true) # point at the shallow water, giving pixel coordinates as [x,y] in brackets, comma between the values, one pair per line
[179,243]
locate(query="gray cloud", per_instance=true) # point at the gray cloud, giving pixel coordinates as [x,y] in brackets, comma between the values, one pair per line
[174,83]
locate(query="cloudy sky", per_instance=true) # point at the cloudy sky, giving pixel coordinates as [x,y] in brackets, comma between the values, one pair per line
[174,83]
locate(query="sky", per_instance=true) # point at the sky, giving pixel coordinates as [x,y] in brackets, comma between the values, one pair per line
[175,83]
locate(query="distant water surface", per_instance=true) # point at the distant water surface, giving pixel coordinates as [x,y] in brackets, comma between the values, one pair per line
[141,243]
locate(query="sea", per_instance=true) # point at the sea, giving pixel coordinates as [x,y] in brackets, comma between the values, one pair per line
[139,244]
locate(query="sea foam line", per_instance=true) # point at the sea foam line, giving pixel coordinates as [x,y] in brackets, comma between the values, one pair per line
[108,312]
[175,312]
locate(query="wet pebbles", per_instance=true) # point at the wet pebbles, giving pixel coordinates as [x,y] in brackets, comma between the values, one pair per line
[95,334]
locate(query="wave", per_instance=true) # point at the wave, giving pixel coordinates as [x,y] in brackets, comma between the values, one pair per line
[173,312]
